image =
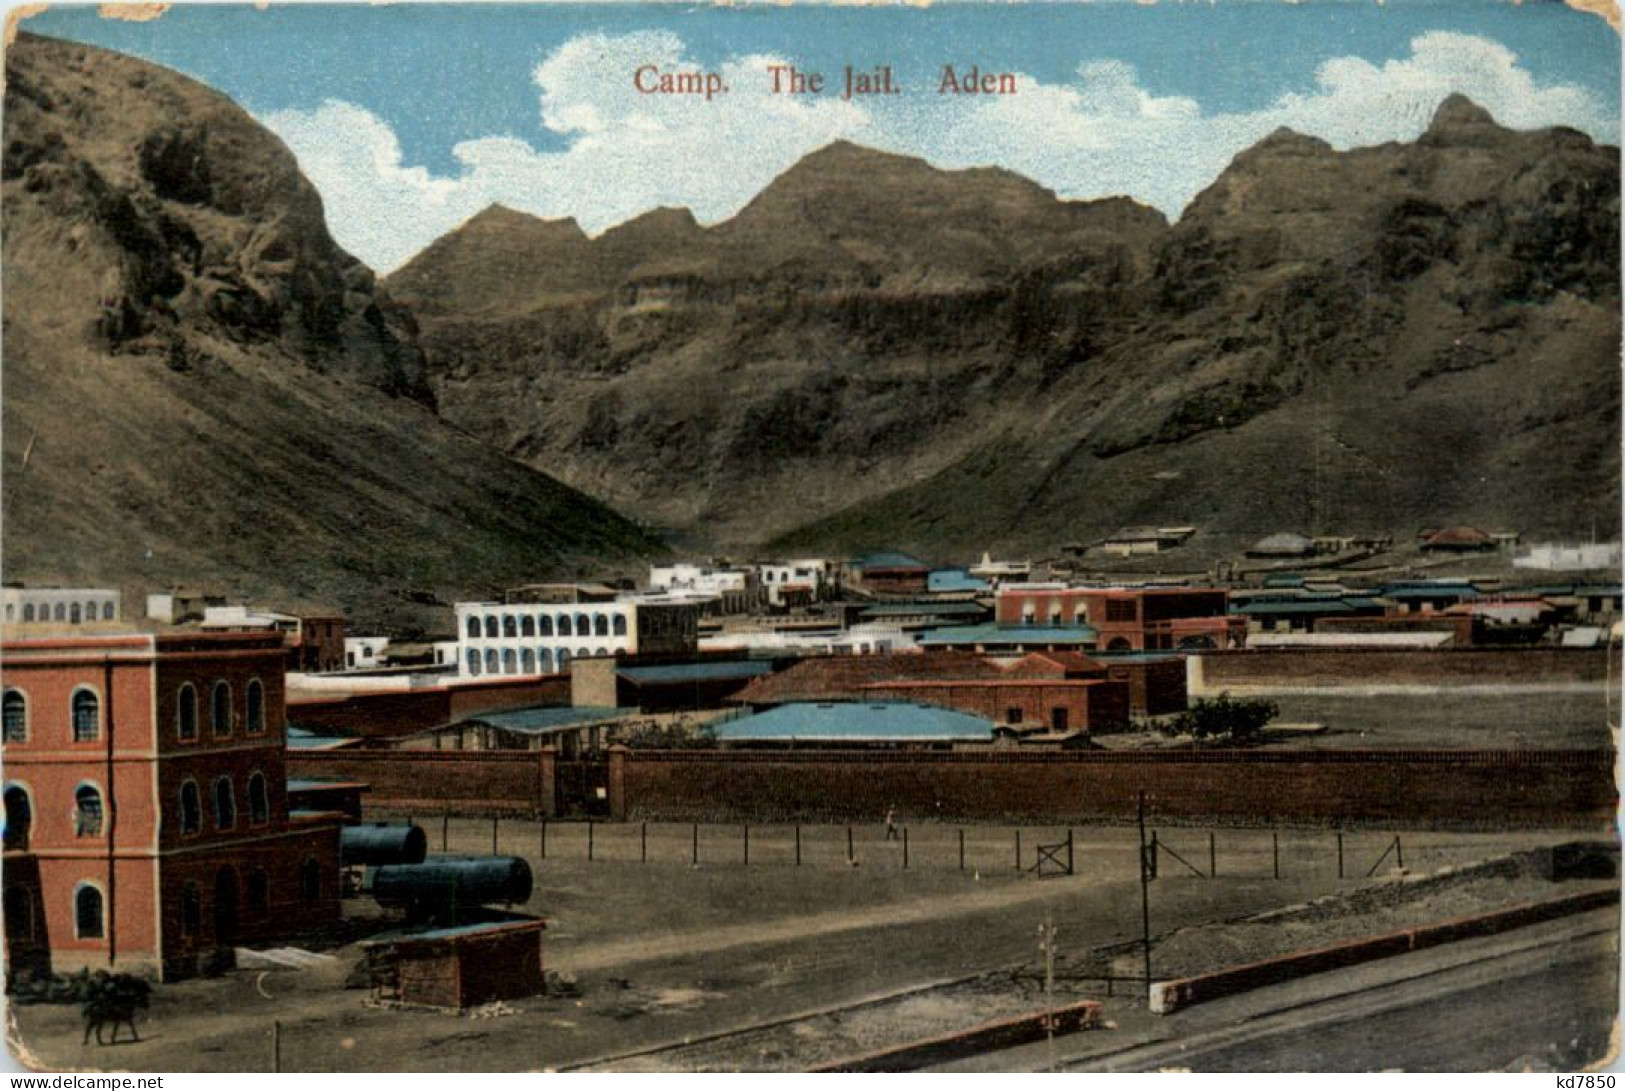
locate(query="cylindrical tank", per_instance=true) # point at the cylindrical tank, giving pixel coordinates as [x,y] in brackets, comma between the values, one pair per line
[452,882]
[382,843]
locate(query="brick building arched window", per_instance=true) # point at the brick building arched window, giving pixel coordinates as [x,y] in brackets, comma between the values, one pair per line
[87,715]
[255,711]
[191,807]
[186,711]
[220,709]
[16,716]
[89,918]
[87,811]
[259,800]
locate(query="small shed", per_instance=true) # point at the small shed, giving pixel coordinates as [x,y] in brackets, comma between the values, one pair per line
[459,967]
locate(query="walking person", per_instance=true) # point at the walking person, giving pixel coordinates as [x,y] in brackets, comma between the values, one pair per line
[891,824]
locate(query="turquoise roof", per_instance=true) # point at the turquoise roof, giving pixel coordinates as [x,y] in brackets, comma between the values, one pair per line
[1013,634]
[954,579]
[1432,591]
[886,559]
[534,721]
[856,722]
[697,672]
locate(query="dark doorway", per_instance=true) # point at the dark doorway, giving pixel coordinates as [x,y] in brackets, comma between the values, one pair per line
[225,907]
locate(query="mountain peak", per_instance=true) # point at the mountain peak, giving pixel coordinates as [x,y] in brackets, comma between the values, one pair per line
[1457,111]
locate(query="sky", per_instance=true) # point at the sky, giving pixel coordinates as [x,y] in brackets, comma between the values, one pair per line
[411,118]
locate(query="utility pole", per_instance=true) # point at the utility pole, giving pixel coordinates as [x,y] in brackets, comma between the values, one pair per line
[1145,898]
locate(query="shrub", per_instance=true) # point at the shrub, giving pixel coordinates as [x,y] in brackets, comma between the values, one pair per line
[1226,717]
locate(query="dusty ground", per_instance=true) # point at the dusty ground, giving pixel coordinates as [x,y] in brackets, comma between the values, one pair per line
[1443,718]
[664,951]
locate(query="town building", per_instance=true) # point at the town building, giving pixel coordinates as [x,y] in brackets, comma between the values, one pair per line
[1126,618]
[1140,541]
[796,582]
[147,823]
[1457,540]
[723,590]
[998,573]
[313,639]
[540,632]
[180,606]
[888,573]
[59,605]
[366,652]
[1549,557]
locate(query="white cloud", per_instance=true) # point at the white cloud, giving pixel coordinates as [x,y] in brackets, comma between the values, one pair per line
[1098,134]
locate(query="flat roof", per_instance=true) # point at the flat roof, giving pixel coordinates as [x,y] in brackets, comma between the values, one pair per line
[856,722]
[697,672]
[1013,634]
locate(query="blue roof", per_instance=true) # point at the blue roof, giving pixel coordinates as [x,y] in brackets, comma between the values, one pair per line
[856,722]
[886,559]
[1432,591]
[299,738]
[533,721]
[1134,657]
[697,672]
[1013,634]
[954,579]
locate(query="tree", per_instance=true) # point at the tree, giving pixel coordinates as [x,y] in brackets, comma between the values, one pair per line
[1225,717]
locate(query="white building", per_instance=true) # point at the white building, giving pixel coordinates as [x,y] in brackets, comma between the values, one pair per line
[1565,558]
[530,638]
[997,572]
[858,640]
[67,605]
[728,590]
[784,581]
[366,652]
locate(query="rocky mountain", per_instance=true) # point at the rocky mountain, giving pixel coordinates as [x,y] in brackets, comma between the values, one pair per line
[201,388]
[878,352]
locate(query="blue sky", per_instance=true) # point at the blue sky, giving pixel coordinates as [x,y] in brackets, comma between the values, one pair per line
[409,118]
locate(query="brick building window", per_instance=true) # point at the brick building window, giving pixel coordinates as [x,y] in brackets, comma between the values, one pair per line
[191,910]
[1012,715]
[256,707]
[1122,610]
[88,918]
[191,807]
[310,881]
[220,709]
[16,716]
[259,801]
[87,716]
[225,805]
[186,712]
[87,811]
[19,816]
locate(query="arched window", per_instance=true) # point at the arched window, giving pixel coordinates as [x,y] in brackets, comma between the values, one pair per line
[473,628]
[492,666]
[256,706]
[220,709]
[186,712]
[600,625]
[28,611]
[191,807]
[61,612]
[87,811]
[601,652]
[544,625]
[620,624]
[473,661]
[259,801]
[510,626]
[259,893]
[310,880]
[490,627]
[564,625]
[107,611]
[583,653]
[544,660]
[527,625]
[191,910]
[583,625]
[527,661]
[74,615]
[19,816]
[225,805]
[16,716]
[564,658]
[87,716]
[87,912]
[510,661]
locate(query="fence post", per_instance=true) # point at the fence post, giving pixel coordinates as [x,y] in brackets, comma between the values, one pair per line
[798,844]
[589,840]
[1339,854]
[1275,850]
[905,848]
[961,848]
[544,838]
[1018,849]
[1399,852]
[849,857]
[746,828]
[1212,856]
[445,831]
[494,820]
[643,843]
[1069,867]
[1155,858]
[695,854]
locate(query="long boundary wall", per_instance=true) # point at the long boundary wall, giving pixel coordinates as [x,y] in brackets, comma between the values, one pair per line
[1211,672]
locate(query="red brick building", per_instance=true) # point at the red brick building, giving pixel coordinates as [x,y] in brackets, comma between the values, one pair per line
[1156,683]
[1060,705]
[1129,618]
[147,825]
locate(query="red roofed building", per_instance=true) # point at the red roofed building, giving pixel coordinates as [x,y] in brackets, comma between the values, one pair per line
[1129,618]
[147,824]
[1457,540]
